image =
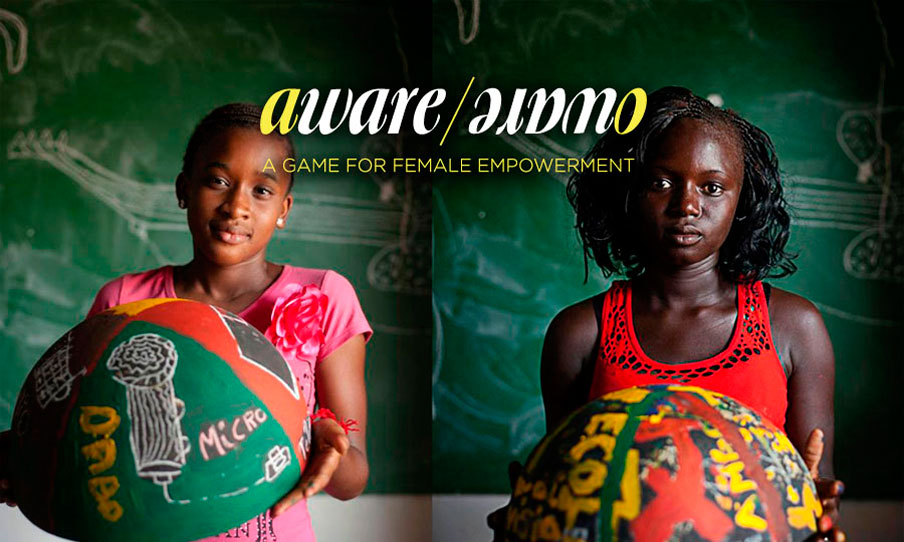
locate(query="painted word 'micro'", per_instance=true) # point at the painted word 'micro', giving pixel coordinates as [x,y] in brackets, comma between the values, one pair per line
[100,422]
[219,438]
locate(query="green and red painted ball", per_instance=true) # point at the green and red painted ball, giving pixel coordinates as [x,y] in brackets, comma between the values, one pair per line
[163,419]
[664,463]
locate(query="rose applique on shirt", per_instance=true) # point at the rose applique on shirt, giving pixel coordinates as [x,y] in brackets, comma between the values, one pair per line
[296,322]
[296,329]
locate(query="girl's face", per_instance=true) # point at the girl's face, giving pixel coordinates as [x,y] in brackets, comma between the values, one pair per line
[233,204]
[692,185]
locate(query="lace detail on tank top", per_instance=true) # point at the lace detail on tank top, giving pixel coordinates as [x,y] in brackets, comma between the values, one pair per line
[750,338]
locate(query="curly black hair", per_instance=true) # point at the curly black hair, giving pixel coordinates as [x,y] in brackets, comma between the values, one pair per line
[234,115]
[755,247]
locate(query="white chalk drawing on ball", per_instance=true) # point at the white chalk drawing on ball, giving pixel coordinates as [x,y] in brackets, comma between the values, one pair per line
[53,381]
[304,444]
[278,458]
[218,438]
[145,365]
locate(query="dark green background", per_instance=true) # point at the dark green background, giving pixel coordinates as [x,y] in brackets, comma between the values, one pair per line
[124,83]
[507,259]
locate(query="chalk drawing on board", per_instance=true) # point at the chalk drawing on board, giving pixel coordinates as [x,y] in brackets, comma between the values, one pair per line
[53,381]
[145,365]
[437,350]
[402,265]
[15,43]
[877,252]
[467,36]
[151,207]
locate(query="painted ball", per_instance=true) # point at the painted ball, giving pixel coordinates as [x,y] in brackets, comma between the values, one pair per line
[163,419]
[664,463]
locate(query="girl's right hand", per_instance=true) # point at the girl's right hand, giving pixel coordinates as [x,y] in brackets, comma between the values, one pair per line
[6,493]
[829,491]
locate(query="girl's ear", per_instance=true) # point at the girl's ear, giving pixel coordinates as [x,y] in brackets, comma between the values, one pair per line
[182,190]
[284,215]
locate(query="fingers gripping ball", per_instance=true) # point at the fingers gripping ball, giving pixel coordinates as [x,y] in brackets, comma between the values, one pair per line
[663,463]
[157,420]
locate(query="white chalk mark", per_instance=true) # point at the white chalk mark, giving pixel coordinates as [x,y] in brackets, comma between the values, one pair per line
[463,37]
[16,49]
[865,320]
[53,381]
[278,458]
[145,365]
[306,437]
[437,349]
[397,269]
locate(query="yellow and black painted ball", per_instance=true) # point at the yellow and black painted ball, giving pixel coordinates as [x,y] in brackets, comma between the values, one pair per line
[664,463]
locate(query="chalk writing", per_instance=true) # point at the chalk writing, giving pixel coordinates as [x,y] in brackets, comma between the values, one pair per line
[219,438]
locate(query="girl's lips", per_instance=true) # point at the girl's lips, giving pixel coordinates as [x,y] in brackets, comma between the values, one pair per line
[685,239]
[683,236]
[230,236]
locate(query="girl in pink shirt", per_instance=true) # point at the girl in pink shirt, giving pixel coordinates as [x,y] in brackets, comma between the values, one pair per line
[233,206]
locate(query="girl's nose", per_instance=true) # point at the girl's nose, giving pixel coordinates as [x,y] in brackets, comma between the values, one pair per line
[686,201]
[237,204]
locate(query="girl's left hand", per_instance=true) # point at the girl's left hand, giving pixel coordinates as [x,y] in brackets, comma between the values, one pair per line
[829,492]
[328,446]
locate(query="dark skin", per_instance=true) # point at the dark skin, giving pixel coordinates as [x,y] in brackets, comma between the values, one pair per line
[684,215]
[233,209]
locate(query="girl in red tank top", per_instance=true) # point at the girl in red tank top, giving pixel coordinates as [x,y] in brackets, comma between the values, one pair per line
[696,222]
[748,369]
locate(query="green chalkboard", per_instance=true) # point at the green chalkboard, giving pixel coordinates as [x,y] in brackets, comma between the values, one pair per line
[823,79]
[97,101]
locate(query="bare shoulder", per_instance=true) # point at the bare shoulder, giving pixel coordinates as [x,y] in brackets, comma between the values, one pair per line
[793,313]
[576,326]
[799,332]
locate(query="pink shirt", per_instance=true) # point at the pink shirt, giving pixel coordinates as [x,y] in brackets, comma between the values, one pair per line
[343,320]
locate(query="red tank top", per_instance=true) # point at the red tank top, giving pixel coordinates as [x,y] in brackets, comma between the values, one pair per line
[748,369]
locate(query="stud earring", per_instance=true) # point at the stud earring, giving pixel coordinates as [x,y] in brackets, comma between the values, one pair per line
[182,204]
[280,222]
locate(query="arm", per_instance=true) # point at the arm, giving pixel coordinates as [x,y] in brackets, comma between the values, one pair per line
[338,462]
[340,388]
[567,361]
[801,337]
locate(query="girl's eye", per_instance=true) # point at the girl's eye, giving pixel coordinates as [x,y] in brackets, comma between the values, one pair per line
[661,184]
[217,181]
[713,189]
[264,191]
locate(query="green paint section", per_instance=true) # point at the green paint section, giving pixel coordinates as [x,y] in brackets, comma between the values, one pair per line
[611,490]
[211,392]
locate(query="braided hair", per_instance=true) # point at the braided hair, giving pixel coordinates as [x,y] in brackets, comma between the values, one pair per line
[755,247]
[234,115]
